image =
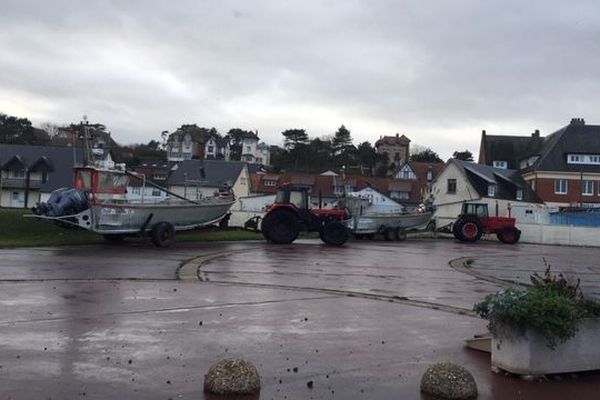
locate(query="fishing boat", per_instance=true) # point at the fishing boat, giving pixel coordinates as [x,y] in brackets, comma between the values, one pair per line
[390,219]
[98,202]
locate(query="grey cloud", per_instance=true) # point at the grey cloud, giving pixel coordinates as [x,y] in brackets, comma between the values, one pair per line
[438,71]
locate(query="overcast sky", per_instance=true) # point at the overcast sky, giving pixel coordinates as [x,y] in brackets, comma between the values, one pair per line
[437,71]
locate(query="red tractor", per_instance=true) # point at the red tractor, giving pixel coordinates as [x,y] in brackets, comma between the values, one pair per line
[290,215]
[474,221]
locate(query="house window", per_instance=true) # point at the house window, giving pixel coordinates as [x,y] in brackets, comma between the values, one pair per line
[590,159]
[519,195]
[135,190]
[429,176]
[500,164]
[210,149]
[269,182]
[187,156]
[561,186]
[407,173]
[156,192]
[491,190]
[44,177]
[451,186]
[399,195]
[587,188]
[248,149]
[18,174]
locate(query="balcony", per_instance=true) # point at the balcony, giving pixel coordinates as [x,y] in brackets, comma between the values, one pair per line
[19,183]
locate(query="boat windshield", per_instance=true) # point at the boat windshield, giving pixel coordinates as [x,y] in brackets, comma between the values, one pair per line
[111,181]
[83,179]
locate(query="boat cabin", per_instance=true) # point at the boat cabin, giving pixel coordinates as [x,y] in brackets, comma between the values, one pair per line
[102,185]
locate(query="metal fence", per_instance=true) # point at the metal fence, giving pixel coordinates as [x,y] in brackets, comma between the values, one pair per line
[589,218]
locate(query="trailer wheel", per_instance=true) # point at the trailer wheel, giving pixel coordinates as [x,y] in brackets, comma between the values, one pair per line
[400,234]
[163,234]
[280,227]
[509,235]
[359,236]
[334,233]
[468,229]
[389,234]
[370,236]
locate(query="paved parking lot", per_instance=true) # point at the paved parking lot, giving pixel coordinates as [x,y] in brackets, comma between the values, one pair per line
[362,321]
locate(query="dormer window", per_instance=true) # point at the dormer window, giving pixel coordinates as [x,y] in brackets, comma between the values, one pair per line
[519,195]
[589,159]
[407,173]
[500,164]
[491,190]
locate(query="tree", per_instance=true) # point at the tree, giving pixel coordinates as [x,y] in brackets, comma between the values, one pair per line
[367,157]
[463,155]
[235,136]
[153,144]
[15,130]
[50,128]
[426,155]
[341,139]
[294,137]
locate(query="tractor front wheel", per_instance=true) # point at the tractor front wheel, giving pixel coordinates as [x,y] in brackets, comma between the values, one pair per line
[334,233]
[509,235]
[280,227]
[468,229]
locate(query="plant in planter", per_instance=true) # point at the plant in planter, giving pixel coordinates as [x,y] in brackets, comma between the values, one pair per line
[535,327]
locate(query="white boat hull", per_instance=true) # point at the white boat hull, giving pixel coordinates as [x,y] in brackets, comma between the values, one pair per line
[367,224]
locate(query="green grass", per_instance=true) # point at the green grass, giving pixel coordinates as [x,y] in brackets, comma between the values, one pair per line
[17,231]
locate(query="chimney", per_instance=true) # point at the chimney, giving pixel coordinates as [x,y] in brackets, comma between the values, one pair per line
[483,132]
[577,121]
[397,135]
[536,134]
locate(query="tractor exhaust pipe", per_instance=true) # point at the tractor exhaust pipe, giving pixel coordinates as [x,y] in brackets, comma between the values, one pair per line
[320,200]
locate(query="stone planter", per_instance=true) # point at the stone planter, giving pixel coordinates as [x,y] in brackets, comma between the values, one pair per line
[529,354]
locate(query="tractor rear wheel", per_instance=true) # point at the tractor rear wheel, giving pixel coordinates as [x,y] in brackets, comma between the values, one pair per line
[334,233]
[280,227]
[510,235]
[468,229]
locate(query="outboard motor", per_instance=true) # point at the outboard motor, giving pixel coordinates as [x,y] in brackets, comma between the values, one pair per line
[63,201]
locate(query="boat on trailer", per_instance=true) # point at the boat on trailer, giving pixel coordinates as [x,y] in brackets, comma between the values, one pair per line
[98,203]
[370,218]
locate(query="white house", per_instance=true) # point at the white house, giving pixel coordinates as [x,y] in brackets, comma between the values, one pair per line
[217,148]
[461,181]
[194,179]
[28,174]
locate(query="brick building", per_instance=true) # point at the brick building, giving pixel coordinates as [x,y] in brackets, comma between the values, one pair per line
[563,168]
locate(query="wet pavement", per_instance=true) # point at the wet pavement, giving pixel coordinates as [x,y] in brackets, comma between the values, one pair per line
[360,322]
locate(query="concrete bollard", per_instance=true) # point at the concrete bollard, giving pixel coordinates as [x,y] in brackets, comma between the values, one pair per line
[449,382]
[232,376]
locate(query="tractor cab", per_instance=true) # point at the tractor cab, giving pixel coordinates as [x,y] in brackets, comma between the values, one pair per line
[478,209]
[296,196]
